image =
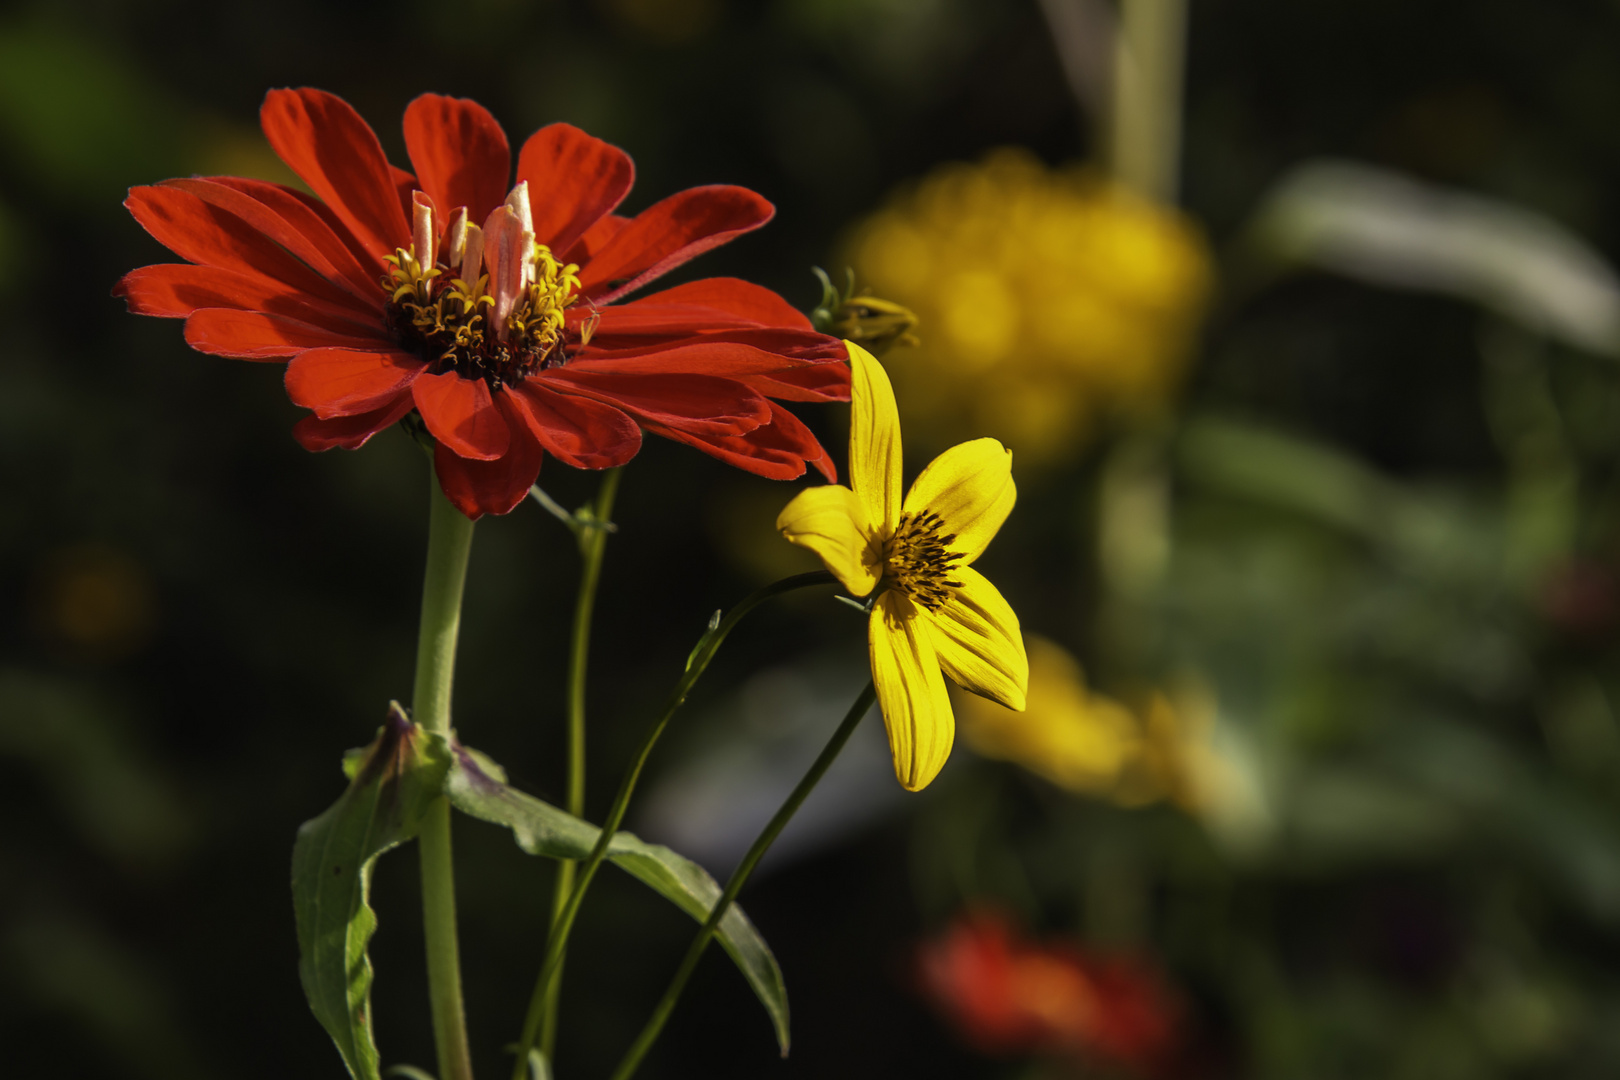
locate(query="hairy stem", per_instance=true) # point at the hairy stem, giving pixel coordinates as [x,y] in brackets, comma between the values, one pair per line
[694,953]
[695,666]
[449,543]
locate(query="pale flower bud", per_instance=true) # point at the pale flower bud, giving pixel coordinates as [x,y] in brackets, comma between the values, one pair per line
[423,234]
[455,237]
[472,254]
[505,257]
[518,200]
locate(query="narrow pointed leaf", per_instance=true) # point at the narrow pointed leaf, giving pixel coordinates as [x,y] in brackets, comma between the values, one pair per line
[704,641]
[391,784]
[477,787]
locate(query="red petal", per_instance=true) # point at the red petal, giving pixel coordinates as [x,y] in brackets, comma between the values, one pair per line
[577,431]
[726,301]
[574,179]
[354,266]
[812,382]
[459,153]
[347,274]
[175,290]
[697,403]
[461,414]
[491,487]
[343,382]
[778,450]
[405,186]
[669,233]
[771,373]
[793,434]
[252,335]
[363,256]
[203,233]
[349,432]
[795,345]
[699,357]
[595,239]
[335,152]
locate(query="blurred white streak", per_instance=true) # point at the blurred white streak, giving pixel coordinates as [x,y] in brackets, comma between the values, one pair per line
[713,803]
[1391,230]
[1084,32]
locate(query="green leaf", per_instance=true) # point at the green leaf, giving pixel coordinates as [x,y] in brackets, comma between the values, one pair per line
[391,784]
[409,1072]
[477,787]
[704,641]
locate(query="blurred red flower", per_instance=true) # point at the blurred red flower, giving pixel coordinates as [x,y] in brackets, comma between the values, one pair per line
[1581,598]
[1009,995]
[491,314]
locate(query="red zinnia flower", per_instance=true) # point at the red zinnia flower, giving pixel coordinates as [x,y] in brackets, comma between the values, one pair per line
[1009,995]
[490,313]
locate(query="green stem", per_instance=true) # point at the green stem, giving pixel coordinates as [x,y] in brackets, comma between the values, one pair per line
[449,542]
[707,646]
[591,547]
[694,953]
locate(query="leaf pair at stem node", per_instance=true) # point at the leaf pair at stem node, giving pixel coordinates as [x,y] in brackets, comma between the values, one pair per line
[392,783]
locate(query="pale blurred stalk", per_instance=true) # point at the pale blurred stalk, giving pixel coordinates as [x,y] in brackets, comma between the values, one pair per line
[1144,153]
[1144,122]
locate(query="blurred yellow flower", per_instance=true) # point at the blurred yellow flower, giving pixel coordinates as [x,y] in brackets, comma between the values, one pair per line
[1045,298]
[1093,745]
[931,613]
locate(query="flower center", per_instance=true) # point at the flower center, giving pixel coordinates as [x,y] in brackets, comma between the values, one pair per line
[919,561]
[485,303]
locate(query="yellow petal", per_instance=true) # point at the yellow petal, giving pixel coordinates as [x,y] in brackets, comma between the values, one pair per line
[1089,744]
[970,487]
[910,689]
[874,439]
[979,645]
[831,522]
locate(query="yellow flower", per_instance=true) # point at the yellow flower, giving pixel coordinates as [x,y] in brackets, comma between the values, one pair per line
[1081,741]
[1048,301]
[933,611]
[1091,744]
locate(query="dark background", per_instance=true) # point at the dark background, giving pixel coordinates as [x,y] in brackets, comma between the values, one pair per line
[197,617]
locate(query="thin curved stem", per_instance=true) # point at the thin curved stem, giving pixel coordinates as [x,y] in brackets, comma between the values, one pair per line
[694,953]
[696,663]
[449,544]
[592,544]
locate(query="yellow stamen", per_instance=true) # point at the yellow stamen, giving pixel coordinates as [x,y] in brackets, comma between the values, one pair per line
[500,325]
[919,561]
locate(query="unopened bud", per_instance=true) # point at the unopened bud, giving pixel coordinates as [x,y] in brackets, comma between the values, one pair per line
[874,324]
[871,322]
